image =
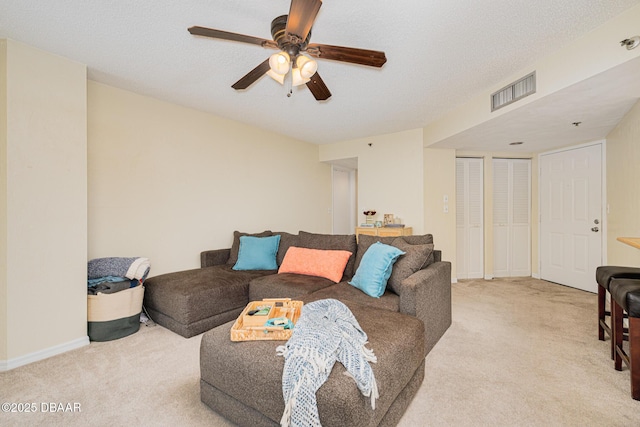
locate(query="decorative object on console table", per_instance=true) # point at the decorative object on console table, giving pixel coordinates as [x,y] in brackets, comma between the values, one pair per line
[388,219]
[385,231]
[369,215]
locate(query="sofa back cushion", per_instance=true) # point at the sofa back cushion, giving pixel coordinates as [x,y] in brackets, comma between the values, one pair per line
[364,241]
[286,241]
[415,258]
[423,239]
[344,242]
[235,246]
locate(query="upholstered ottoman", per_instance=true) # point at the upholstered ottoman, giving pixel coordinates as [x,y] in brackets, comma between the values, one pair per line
[242,381]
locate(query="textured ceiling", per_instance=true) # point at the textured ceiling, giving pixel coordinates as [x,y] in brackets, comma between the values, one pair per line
[440,54]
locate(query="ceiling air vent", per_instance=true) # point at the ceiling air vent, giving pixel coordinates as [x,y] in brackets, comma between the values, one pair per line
[515,91]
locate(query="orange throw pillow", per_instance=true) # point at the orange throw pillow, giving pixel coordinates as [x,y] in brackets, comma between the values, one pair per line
[315,262]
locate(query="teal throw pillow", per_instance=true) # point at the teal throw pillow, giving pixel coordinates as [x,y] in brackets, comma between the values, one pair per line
[257,253]
[375,268]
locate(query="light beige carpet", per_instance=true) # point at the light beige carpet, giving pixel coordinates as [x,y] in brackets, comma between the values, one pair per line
[520,352]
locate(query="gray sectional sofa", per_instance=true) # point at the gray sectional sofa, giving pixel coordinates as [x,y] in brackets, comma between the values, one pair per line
[242,380]
[194,301]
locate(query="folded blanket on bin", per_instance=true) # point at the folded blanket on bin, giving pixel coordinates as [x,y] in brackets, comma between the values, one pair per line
[326,332]
[131,268]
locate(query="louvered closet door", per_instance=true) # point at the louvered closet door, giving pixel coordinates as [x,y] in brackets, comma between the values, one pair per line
[469,219]
[511,217]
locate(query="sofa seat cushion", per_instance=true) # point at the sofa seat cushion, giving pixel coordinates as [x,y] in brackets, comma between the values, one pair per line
[286,285]
[345,292]
[251,372]
[193,295]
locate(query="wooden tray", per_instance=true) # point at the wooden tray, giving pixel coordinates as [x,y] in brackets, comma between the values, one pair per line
[281,307]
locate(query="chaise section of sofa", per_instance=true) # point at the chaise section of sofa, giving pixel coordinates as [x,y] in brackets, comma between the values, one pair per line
[194,301]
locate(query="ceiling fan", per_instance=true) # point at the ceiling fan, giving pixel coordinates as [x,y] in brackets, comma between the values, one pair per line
[291,34]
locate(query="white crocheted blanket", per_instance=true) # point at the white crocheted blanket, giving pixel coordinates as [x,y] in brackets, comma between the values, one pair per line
[326,332]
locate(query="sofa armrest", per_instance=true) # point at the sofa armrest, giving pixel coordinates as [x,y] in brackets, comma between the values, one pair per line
[426,294]
[214,257]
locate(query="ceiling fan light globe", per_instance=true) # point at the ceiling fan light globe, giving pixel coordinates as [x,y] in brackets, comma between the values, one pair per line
[297,79]
[307,66]
[275,76]
[279,63]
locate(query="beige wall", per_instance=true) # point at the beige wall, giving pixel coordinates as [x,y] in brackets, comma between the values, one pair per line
[623,192]
[440,180]
[3,200]
[44,207]
[390,174]
[167,182]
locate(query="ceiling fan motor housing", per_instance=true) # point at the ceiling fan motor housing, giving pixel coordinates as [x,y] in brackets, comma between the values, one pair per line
[290,43]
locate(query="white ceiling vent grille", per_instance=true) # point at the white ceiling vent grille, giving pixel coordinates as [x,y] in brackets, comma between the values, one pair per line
[514,92]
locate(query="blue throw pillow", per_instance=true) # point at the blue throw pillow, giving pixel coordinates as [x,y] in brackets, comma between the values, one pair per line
[375,268]
[257,253]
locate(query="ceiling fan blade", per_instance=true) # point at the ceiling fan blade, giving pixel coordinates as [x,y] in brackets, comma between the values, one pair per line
[252,76]
[372,58]
[317,87]
[225,35]
[302,13]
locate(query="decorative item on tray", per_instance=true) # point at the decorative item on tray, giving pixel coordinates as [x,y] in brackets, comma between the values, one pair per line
[269,319]
[392,222]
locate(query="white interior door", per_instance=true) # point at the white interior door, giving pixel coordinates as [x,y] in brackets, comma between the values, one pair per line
[571,212]
[344,215]
[511,217]
[469,218]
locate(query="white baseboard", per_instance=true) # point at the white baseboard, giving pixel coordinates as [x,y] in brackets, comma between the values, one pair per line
[535,276]
[454,280]
[6,365]
[488,277]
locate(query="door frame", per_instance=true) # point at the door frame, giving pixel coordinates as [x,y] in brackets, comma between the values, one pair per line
[352,196]
[605,207]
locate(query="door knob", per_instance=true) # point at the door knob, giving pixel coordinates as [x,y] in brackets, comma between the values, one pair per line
[595,229]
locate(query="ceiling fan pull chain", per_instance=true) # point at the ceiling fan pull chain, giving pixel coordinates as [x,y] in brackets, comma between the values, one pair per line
[289,79]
